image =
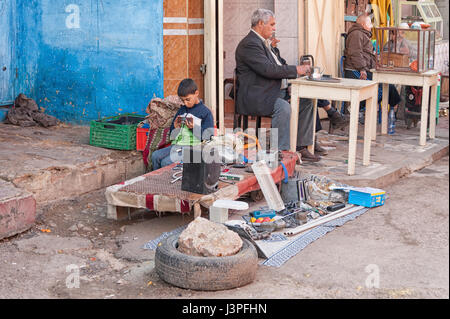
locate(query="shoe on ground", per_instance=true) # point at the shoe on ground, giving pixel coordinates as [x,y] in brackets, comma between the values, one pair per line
[338,120]
[308,157]
[319,149]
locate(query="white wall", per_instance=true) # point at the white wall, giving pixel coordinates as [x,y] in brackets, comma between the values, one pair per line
[286,12]
[236,21]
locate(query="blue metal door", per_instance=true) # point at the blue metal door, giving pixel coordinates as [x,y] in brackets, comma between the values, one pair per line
[6,53]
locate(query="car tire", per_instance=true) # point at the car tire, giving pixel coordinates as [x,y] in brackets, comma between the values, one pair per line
[205,273]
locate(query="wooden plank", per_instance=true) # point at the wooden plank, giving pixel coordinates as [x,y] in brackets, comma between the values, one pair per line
[220,62]
[424,115]
[311,91]
[301,29]
[433,112]
[311,147]
[210,56]
[344,83]
[368,124]
[294,118]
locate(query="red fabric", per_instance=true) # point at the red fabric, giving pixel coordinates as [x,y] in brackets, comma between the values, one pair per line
[184,206]
[157,139]
[149,201]
[417,95]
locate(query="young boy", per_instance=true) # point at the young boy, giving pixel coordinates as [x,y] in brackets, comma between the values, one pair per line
[194,116]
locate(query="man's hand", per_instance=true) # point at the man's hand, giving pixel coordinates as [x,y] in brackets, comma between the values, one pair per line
[363,75]
[274,42]
[303,69]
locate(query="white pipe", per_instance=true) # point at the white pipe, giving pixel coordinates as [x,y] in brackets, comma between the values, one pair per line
[322,220]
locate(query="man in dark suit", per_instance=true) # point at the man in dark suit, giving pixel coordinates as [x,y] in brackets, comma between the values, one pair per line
[259,79]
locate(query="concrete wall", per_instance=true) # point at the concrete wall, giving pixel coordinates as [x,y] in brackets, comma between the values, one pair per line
[86,59]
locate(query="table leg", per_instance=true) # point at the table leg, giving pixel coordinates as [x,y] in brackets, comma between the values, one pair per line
[368,126]
[353,132]
[384,109]
[294,120]
[311,147]
[432,132]
[197,210]
[424,115]
[375,115]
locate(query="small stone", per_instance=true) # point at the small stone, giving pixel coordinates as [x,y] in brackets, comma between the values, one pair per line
[121,282]
[80,225]
[73,228]
[87,228]
[122,229]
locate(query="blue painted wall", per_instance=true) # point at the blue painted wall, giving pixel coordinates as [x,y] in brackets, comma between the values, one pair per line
[105,61]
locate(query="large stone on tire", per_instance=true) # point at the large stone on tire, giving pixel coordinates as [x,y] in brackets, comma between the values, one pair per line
[204,238]
[205,273]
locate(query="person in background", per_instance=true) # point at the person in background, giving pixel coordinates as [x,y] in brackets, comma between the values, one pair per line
[360,57]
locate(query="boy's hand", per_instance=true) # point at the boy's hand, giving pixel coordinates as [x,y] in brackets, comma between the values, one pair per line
[190,123]
[177,123]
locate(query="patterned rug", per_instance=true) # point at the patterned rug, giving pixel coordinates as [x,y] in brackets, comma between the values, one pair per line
[291,247]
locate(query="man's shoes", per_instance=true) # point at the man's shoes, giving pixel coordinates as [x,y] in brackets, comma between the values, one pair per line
[338,120]
[308,157]
[319,149]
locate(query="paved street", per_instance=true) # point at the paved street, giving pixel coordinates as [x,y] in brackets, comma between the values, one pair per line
[399,250]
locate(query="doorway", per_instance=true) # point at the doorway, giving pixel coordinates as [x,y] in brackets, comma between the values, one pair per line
[6,53]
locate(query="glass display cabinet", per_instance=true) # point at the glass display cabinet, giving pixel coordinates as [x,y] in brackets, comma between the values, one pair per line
[423,12]
[405,50]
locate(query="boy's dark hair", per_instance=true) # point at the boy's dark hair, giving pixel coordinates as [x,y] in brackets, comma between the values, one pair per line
[187,87]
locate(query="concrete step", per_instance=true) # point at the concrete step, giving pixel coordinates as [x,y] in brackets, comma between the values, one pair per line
[17,210]
[58,163]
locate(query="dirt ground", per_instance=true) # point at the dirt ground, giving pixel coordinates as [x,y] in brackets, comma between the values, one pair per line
[404,243]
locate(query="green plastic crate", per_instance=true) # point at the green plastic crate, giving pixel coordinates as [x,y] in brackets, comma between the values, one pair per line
[115,132]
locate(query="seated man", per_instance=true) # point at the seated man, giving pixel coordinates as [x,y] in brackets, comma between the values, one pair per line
[361,58]
[191,124]
[259,77]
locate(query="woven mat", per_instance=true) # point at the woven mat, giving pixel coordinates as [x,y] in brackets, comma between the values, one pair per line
[291,246]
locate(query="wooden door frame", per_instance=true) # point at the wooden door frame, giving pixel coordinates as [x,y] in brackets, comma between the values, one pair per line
[213,38]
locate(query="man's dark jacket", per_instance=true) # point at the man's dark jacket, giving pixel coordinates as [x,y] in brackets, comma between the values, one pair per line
[359,51]
[258,77]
